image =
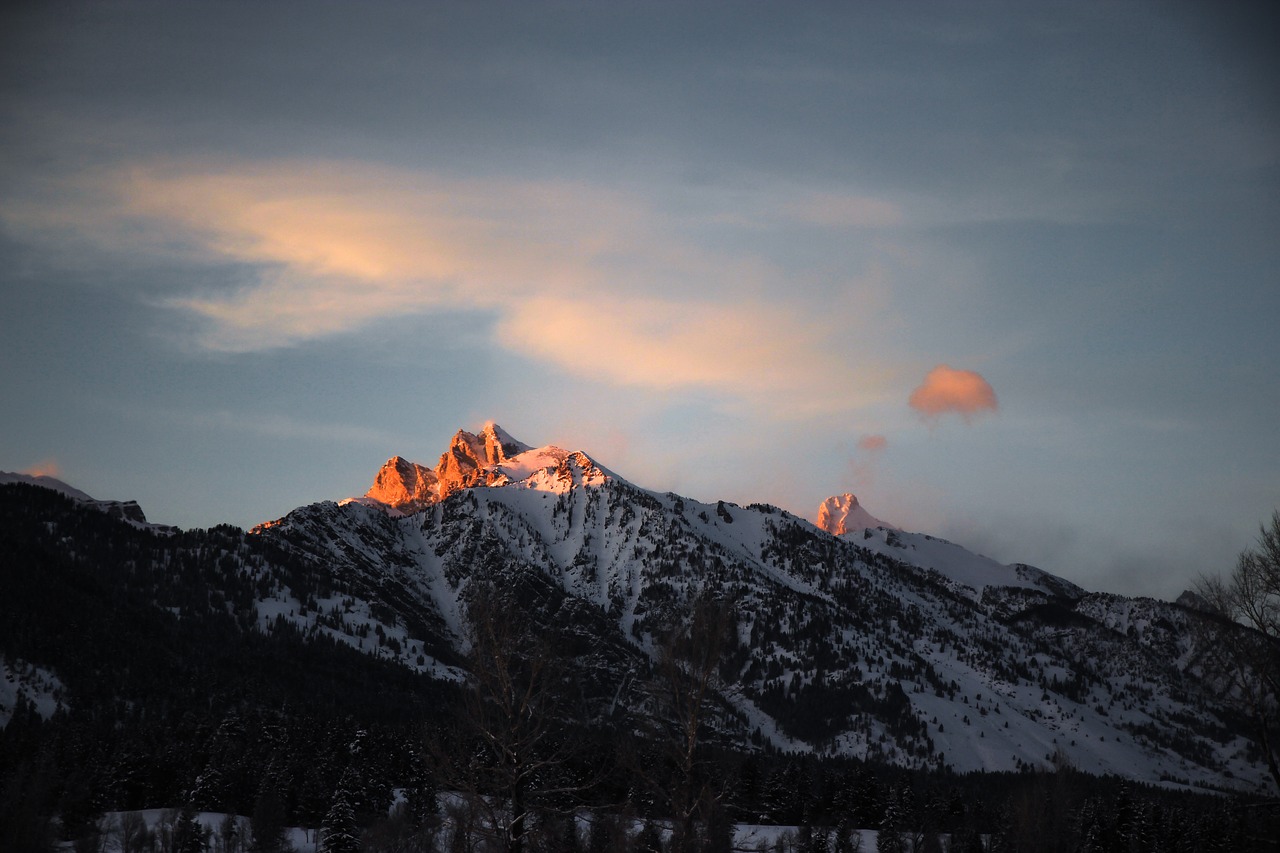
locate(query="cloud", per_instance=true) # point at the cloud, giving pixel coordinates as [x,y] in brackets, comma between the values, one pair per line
[873,443]
[664,343]
[945,389]
[765,352]
[284,427]
[864,463]
[44,468]
[338,246]
[594,283]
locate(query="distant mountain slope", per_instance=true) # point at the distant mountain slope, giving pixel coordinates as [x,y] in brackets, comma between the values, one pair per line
[127,510]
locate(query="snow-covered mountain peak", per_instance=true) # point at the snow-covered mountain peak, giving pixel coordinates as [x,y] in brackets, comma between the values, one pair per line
[840,514]
[495,436]
[484,448]
[553,469]
[490,458]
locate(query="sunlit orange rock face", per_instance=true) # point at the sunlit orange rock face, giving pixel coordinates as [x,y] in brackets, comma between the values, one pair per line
[408,486]
[404,484]
[833,512]
[842,514]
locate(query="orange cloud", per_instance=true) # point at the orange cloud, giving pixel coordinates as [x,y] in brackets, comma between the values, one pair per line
[585,278]
[341,245]
[46,468]
[762,351]
[946,389]
[873,443]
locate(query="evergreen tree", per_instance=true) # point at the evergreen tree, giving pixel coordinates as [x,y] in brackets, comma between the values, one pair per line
[267,824]
[340,834]
[846,840]
[814,839]
[890,839]
[208,793]
[189,835]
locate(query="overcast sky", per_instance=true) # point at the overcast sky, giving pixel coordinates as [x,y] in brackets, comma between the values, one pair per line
[1008,271]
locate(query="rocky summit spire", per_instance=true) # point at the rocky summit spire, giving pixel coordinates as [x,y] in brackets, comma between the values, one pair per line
[404,484]
[471,460]
[842,514]
[468,461]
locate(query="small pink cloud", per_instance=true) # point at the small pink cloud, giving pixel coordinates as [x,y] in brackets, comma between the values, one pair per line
[865,462]
[47,468]
[946,389]
[873,443]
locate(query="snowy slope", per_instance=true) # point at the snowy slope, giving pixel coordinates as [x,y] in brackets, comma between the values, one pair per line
[878,643]
[963,571]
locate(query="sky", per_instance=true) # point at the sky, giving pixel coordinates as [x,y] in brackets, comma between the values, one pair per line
[1007,271]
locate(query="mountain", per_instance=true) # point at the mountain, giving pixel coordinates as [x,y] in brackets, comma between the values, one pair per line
[127,510]
[868,643]
[471,460]
[842,514]
[875,643]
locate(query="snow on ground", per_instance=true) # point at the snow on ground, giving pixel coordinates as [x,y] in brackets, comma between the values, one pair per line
[747,838]
[162,821]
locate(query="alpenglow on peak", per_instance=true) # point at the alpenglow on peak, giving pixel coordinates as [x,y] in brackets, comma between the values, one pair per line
[491,457]
[842,514]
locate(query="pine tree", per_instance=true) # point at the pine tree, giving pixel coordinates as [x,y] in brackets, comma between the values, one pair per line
[890,838]
[846,840]
[189,836]
[267,823]
[340,834]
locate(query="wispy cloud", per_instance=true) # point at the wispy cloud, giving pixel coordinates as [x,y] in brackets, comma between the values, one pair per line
[946,390]
[596,284]
[283,427]
[760,350]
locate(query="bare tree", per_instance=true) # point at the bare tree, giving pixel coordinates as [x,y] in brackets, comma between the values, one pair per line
[686,671]
[1243,644]
[512,756]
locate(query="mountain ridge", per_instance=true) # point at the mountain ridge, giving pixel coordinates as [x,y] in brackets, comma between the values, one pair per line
[876,644]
